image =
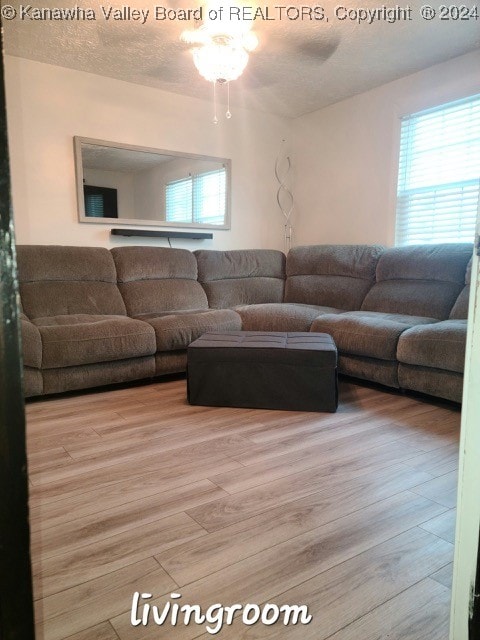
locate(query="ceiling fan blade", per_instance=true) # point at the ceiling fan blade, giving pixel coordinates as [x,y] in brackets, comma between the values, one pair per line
[291,44]
[318,50]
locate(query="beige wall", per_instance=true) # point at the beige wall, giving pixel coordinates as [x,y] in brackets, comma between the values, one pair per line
[48,105]
[346,155]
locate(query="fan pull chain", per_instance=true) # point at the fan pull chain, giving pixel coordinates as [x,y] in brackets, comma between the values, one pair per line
[215,119]
[228,115]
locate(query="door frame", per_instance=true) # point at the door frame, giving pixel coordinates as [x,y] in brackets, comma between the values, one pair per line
[16,598]
[465,611]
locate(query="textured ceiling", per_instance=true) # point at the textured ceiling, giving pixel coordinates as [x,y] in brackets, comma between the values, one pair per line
[117,159]
[299,66]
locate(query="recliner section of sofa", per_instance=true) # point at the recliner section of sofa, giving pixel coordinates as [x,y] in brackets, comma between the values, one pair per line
[160,288]
[71,298]
[415,288]
[92,317]
[367,339]
[433,356]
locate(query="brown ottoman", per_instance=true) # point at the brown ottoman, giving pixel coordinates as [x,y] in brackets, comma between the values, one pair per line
[263,370]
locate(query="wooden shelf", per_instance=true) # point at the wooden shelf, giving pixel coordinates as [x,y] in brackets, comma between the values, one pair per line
[147,233]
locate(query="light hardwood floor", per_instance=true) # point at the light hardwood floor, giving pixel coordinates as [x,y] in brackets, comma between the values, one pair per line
[350,513]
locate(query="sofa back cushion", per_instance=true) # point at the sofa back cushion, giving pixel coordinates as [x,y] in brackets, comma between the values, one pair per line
[58,280]
[156,280]
[233,278]
[419,280]
[460,308]
[331,275]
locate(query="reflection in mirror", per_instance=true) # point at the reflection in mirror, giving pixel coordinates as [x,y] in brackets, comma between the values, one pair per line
[134,185]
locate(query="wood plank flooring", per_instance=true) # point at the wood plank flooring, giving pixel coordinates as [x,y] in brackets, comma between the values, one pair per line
[352,514]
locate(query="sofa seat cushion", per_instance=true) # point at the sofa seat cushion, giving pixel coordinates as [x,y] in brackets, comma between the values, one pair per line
[281,316]
[175,330]
[367,333]
[440,345]
[86,339]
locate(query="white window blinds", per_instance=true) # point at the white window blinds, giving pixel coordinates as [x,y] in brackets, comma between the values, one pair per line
[439,174]
[198,198]
[179,200]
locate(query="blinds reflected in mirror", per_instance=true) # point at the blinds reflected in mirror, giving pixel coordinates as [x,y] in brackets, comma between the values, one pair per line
[199,199]
[179,200]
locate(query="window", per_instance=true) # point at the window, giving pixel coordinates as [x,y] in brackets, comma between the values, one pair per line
[198,198]
[100,202]
[439,174]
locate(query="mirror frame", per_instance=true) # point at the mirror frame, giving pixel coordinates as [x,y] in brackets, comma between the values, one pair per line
[79,177]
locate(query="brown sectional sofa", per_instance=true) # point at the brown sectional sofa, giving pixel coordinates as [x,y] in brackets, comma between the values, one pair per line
[91,316]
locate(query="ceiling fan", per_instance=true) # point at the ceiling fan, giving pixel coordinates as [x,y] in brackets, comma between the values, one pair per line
[222,43]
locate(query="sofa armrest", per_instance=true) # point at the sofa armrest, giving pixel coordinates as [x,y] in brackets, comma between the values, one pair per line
[31,343]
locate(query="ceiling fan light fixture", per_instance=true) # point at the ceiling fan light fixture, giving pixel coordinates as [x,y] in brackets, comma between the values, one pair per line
[221,51]
[220,61]
[250,41]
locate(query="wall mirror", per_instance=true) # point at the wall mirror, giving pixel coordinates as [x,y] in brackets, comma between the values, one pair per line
[125,184]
